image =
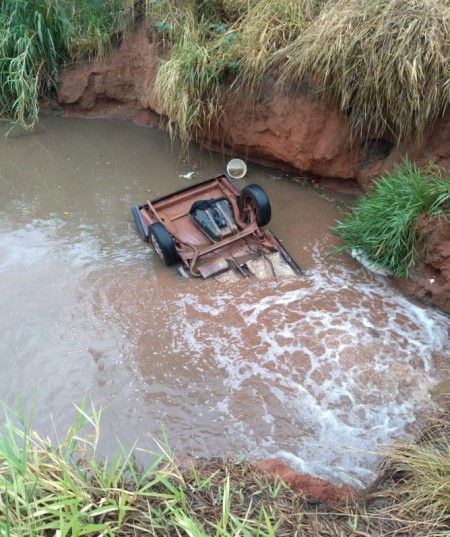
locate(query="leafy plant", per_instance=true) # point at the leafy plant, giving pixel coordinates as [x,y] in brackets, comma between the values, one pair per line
[383,223]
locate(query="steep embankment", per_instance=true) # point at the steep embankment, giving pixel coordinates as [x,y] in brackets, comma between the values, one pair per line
[292,129]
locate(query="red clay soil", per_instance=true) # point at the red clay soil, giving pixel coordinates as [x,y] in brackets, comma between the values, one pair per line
[293,129]
[308,486]
[430,281]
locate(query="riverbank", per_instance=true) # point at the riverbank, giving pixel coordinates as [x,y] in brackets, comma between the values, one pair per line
[68,489]
[293,130]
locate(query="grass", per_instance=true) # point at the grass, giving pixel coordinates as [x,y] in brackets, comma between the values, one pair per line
[220,50]
[414,491]
[384,221]
[385,63]
[37,37]
[66,490]
[63,490]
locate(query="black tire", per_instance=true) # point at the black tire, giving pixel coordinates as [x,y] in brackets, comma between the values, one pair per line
[255,195]
[141,227]
[163,244]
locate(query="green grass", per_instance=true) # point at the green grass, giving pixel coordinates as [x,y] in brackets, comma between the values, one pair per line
[64,490]
[384,221]
[37,37]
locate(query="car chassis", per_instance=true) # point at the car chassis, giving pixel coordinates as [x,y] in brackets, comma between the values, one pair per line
[214,228]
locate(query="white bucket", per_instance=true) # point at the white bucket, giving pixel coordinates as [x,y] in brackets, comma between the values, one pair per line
[236,168]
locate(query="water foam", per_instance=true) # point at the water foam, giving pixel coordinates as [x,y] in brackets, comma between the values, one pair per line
[322,371]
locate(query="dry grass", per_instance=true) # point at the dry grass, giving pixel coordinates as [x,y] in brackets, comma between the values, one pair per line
[413,496]
[220,49]
[386,63]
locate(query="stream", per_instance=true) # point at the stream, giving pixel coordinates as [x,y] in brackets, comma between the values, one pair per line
[323,370]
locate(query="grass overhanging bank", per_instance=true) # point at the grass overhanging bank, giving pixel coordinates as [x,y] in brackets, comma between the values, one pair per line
[66,489]
[385,64]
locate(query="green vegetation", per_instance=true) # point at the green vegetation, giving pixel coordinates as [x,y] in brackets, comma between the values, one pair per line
[64,490]
[37,37]
[384,221]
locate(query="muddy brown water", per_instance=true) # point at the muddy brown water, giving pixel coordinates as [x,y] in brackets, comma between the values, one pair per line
[323,370]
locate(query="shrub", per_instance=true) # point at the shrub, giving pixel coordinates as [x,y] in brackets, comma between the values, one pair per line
[384,222]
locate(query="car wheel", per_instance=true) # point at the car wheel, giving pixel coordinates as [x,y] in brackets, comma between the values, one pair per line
[163,243]
[255,197]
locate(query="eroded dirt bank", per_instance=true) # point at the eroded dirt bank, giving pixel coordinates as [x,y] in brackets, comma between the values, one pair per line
[294,128]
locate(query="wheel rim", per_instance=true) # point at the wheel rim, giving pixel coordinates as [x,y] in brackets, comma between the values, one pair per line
[249,208]
[157,247]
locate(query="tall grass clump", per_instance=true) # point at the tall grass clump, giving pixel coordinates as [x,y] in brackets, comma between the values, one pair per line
[386,63]
[32,41]
[220,49]
[96,24]
[66,490]
[414,493]
[383,223]
[37,37]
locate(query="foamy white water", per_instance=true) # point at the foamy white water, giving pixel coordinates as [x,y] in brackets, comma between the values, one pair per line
[322,371]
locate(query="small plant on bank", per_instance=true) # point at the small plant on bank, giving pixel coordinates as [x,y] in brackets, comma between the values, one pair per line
[383,223]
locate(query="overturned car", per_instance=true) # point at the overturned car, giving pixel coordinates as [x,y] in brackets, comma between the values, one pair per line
[214,228]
